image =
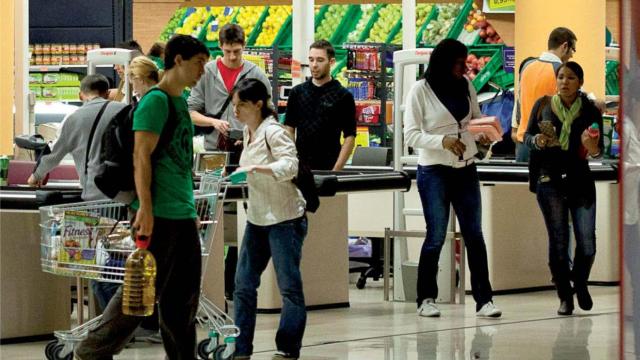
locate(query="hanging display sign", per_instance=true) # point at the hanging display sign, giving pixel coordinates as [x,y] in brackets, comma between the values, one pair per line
[499,6]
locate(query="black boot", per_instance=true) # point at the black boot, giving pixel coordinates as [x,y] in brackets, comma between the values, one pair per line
[566,307]
[584,298]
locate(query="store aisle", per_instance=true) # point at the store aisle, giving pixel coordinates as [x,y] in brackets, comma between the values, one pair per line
[372,330]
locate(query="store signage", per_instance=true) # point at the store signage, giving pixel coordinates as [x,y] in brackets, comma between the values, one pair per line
[504,6]
[508,58]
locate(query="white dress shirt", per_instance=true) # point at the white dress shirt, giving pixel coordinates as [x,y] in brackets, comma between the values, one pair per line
[272,199]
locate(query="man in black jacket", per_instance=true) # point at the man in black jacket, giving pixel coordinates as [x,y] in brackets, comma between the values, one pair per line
[319,111]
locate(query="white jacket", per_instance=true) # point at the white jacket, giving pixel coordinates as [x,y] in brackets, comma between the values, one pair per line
[427,121]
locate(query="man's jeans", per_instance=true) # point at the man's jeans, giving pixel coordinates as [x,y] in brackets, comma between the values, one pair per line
[440,187]
[103,291]
[555,210]
[176,247]
[522,152]
[283,243]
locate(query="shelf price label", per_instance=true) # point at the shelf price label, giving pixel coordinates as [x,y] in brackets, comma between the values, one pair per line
[499,6]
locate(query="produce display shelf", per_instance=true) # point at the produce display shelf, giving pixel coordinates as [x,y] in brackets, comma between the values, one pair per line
[374,18]
[348,23]
[251,39]
[432,16]
[493,51]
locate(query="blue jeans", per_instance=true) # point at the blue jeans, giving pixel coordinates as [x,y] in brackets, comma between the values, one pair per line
[522,152]
[440,187]
[283,243]
[555,210]
[103,291]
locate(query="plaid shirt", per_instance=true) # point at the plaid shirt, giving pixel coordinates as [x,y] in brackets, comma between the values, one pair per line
[320,115]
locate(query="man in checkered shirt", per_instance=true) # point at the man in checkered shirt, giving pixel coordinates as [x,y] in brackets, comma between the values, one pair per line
[319,111]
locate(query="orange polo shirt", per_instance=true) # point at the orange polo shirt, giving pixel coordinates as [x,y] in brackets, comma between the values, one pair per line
[537,79]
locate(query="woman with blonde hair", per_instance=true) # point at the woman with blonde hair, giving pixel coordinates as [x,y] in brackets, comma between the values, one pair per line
[143,75]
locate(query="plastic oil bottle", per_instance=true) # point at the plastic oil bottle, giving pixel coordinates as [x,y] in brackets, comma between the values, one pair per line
[139,288]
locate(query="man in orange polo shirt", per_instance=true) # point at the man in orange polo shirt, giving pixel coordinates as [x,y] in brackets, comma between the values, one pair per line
[538,78]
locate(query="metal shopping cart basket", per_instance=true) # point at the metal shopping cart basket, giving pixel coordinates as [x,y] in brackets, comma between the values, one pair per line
[91,240]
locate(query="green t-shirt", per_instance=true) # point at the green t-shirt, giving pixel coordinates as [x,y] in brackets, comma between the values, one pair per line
[172,183]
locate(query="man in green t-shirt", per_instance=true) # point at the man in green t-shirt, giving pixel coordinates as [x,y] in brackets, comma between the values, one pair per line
[165,211]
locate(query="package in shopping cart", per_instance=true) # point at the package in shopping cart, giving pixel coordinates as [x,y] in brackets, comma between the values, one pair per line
[79,235]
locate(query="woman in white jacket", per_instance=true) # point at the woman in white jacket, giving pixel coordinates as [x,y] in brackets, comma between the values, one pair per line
[438,110]
[276,222]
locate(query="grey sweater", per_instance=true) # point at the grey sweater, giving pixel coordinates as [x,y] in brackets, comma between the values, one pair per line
[210,93]
[74,137]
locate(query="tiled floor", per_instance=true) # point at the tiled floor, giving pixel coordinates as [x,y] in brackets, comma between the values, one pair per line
[371,329]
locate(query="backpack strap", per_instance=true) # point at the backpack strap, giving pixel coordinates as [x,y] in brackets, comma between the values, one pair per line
[91,134]
[169,127]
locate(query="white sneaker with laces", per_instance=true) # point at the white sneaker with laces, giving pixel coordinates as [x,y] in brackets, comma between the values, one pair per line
[428,308]
[489,310]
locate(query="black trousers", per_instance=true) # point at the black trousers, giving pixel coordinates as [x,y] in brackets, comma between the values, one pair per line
[176,246]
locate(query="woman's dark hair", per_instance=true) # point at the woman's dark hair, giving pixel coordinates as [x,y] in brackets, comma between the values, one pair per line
[185,46]
[439,73]
[231,34]
[254,90]
[157,49]
[573,66]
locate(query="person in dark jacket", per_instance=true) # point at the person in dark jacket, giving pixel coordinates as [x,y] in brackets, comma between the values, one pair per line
[561,146]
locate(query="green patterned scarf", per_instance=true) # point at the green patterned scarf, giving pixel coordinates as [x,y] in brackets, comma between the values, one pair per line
[566,116]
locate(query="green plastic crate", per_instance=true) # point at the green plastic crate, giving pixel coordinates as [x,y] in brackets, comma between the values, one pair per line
[612,78]
[495,64]
[451,30]
[341,61]
[376,14]
[432,15]
[503,79]
[284,38]
[347,25]
[457,26]
[251,39]
[394,31]
[202,35]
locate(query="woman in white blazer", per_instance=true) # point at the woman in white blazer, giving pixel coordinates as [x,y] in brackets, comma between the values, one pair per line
[438,110]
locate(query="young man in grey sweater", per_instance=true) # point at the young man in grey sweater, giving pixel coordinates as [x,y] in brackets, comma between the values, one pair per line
[220,76]
[74,136]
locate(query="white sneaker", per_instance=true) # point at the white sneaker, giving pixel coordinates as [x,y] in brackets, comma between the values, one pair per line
[489,310]
[428,308]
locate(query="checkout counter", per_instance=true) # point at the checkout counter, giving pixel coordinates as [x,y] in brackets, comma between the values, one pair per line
[34,303]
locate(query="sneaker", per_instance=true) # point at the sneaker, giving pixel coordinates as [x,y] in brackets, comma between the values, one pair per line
[489,310]
[280,355]
[428,308]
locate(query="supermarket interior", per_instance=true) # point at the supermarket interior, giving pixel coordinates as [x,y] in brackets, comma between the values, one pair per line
[544,215]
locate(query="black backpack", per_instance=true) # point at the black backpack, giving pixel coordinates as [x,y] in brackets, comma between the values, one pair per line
[305,182]
[115,173]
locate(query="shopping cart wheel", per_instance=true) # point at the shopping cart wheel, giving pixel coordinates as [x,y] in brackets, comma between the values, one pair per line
[202,349]
[217,353]
[56,353]
[48,350]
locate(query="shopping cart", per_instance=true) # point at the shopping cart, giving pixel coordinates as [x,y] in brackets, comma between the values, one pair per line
[92,240]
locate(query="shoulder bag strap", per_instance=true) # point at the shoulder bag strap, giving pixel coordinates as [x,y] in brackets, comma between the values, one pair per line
[91,134]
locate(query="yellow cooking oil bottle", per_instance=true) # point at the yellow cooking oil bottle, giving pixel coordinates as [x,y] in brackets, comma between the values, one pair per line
[139,288]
